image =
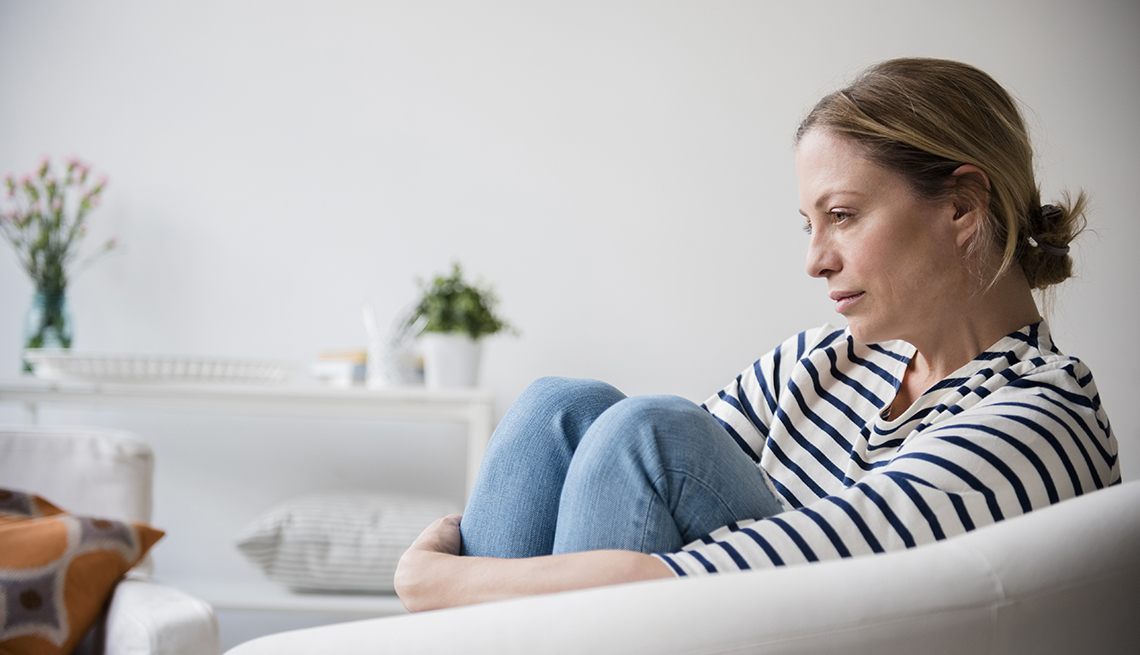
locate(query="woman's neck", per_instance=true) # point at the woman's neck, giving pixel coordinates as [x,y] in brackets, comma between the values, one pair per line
[977,322]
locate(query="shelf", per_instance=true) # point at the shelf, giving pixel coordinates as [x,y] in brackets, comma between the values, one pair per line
[474,407]
[414,402]
[267,596]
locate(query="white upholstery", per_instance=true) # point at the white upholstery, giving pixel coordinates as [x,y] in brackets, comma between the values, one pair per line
[1065,579]
[147,618]
[85,471]
[109,474]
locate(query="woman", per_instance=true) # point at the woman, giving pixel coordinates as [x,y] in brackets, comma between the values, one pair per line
[943,406]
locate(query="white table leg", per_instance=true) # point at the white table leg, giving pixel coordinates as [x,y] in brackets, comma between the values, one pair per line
[479,427]
[29,412]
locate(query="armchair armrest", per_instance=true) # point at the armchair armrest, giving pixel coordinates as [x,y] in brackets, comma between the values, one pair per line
[149,618]
[1062,579]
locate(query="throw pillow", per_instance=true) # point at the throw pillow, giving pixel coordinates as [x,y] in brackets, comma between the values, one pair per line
[57,571]
[338,542]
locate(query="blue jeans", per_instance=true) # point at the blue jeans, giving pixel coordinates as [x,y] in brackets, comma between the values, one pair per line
[576,465]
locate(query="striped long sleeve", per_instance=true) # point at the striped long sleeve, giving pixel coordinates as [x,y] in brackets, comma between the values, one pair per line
[1018,428]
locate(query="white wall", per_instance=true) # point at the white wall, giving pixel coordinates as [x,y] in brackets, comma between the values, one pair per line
[621,171]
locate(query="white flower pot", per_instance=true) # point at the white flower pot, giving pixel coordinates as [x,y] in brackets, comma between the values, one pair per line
[450,359]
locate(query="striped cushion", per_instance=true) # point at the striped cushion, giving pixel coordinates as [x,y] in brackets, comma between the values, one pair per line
[338,542]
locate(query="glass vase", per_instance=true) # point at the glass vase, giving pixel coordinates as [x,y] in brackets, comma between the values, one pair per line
[48,323]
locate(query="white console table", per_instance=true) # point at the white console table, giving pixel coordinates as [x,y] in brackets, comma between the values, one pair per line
[475,407]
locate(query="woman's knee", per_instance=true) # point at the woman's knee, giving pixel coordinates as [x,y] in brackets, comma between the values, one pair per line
[554,410]
[653,411]
[554,388]
[653,423]
[575,398]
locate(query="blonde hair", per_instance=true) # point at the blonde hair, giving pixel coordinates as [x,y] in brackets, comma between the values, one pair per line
[923,118]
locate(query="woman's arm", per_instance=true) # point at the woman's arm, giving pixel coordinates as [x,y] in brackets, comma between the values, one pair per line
[432,575]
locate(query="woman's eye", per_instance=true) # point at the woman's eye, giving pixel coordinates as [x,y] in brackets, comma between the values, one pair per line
[837,217]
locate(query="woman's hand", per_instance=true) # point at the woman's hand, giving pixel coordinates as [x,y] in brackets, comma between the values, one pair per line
[421,579]
[442,536]
[432,575]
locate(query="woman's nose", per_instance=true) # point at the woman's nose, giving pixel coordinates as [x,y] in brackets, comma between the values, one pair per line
[822,258]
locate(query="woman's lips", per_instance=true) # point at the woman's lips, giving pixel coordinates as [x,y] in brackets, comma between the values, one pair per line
[844,299]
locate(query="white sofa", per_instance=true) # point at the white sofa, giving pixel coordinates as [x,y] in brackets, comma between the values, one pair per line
[109,474]
[1065,579]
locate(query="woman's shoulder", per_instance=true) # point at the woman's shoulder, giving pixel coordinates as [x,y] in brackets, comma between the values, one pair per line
[1029,365]
[1025,390]
[1031,351]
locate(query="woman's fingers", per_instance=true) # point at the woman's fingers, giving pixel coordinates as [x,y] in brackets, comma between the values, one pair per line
[442,536]
[421,583]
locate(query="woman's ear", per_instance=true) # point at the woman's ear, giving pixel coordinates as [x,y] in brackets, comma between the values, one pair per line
[971,200]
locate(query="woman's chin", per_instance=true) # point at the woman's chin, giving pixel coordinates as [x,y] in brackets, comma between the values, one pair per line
[866,332]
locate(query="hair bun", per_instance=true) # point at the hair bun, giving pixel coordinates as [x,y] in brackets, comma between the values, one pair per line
[1057,251]
[1050,216]
[1050,213]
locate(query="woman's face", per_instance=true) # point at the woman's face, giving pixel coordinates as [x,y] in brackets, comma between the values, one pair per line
[891,261]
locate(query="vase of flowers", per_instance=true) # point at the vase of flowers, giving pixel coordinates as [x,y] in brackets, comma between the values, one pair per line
[44,217]
[455,316]
[48,322]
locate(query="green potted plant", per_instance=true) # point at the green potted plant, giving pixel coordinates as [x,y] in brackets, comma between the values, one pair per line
[455,316]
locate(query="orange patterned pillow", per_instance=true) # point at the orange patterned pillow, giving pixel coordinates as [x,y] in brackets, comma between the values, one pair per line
[57,571]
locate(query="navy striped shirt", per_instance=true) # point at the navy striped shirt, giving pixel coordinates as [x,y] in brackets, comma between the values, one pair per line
[1019,427]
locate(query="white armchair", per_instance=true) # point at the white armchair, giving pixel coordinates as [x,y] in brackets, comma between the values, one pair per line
[109,474]
[1064,579]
